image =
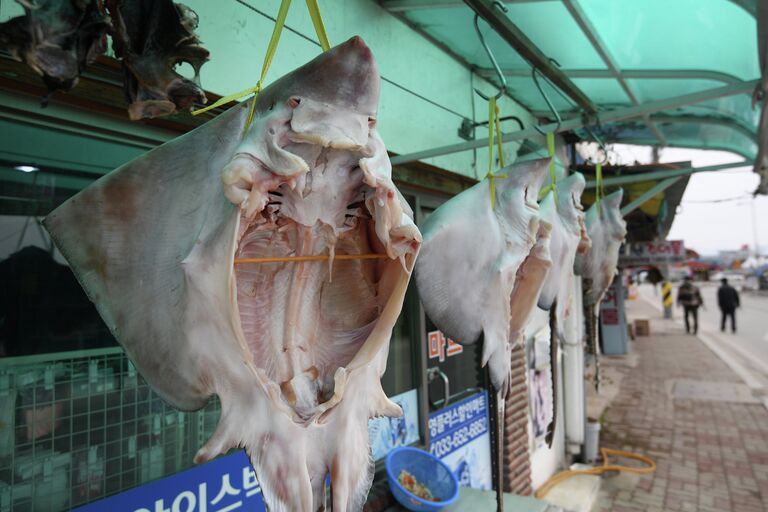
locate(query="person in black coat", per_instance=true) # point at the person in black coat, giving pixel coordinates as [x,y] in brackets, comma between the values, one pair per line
[728,300]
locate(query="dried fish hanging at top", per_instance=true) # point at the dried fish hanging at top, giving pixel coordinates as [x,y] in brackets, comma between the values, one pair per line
[294,349]
[57,39]
[152,37]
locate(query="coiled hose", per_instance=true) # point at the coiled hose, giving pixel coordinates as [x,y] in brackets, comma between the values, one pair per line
[599,470]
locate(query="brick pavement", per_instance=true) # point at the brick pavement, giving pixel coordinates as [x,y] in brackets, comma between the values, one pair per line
[711,455]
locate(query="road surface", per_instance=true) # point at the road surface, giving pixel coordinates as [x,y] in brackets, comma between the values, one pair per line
[748,348]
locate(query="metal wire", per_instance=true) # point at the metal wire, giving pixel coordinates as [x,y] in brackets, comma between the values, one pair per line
[76,427]
[552,109]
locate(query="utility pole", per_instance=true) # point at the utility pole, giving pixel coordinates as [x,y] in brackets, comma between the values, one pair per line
[755,246]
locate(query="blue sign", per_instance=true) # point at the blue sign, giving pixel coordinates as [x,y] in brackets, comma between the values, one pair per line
[224,484]
[459,437]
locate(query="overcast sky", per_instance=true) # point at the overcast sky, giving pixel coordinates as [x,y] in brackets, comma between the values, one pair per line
[705,225]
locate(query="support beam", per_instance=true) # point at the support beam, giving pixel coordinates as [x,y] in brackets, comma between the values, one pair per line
[517,39]
[413,5]
[589,31]
[665,174]
[707,120]
[642,74]
[648,195]
[418,5]
[574,123]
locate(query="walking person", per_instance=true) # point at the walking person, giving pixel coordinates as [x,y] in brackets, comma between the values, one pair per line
[728,300]
[689,297]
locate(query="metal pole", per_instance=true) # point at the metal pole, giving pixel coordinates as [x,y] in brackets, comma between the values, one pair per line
[578,122]
[754,229]
[648,194]
[670,173]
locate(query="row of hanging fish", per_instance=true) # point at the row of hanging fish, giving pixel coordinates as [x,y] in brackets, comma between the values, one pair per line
[58,39]
[171,248]
[294,349]
[485,265]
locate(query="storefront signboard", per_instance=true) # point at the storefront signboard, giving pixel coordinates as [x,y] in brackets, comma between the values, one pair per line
[459,436]
[441,346]
[224,484]
[652,253]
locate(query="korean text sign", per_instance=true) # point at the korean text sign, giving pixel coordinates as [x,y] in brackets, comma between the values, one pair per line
[459,436]
[222,485]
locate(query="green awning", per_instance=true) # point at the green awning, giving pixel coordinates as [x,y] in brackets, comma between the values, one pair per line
[619,54]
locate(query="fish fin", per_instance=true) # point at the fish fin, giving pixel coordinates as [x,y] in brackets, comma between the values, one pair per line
[381,405]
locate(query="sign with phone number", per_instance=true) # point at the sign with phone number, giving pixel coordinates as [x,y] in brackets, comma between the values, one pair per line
[458,424]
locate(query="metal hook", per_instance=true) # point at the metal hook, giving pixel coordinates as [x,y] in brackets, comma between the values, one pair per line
[499,72]
[534,72]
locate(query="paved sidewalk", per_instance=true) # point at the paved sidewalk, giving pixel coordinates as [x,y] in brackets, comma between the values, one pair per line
[711,448]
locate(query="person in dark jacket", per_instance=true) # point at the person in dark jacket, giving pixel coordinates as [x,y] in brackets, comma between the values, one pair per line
[728,300]
[689,297]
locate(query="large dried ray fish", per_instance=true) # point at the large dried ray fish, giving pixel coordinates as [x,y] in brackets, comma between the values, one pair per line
[569,236]
[529,281]
[56,38]
[606,229]
[152,37]
[295,351]
[598,266]
[470,258]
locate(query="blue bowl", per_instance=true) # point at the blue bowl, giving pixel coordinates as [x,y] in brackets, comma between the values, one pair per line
[429,471]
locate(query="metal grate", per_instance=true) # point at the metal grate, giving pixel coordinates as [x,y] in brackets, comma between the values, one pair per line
[78,426]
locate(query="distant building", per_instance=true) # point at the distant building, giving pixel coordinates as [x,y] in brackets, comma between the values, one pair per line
[731,258]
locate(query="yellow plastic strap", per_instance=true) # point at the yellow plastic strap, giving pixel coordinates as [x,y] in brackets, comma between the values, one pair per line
[317,21]
[494,124]
[552,169]
[271,48]
[491,128]
[498,138]
[599,192]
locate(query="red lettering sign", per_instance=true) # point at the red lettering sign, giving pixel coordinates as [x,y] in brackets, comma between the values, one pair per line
[610,316]
[441,347]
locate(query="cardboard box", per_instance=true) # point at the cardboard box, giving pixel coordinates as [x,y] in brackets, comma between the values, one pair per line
[642,327]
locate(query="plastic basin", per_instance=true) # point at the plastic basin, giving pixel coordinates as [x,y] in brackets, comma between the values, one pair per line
[429,471]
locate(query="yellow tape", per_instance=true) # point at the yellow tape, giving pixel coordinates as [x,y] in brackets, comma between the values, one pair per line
[271,49]
[282,14]
[599,192]
[552,169]
[494,124]
[317,21]
[491,131]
